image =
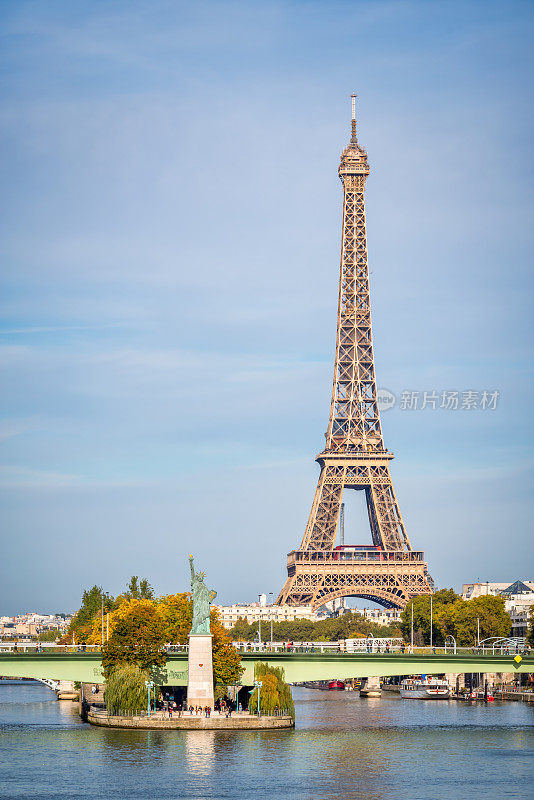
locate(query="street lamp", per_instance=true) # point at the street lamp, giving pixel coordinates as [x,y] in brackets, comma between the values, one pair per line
[271,593]
[259,620]
[431,622]
[149,685]
[107,617]
[258,685]
[102,595]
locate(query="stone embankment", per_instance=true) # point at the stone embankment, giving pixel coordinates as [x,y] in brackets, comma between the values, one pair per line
[189,722]
[525,697]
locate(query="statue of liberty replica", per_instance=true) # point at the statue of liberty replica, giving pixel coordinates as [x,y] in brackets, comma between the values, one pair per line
[200,674]
[202,597]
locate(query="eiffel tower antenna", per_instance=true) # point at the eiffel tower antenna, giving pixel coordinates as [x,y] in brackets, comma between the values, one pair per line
[354,138]
[387,571]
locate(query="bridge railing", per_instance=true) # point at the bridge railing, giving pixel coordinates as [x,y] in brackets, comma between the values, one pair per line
[287,647]
[344,647]
[44,647]
[374,647]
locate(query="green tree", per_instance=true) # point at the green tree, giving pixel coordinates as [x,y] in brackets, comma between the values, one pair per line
[82,623]
[463,618]
[139,590]
[421,616]
[50,635]
[125,689]
[138,637]
[347,626]
[274,693]
[242,631]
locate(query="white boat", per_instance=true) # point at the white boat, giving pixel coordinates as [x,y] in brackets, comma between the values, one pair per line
[425,689]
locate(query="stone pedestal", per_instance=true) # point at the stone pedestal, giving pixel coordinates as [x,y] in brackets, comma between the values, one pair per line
[200,675]
[370,687]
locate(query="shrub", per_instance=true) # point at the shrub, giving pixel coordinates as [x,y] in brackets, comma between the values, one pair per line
[126,690]
[275,693]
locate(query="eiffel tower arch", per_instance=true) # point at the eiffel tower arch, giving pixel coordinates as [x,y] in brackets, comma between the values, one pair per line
[388,572]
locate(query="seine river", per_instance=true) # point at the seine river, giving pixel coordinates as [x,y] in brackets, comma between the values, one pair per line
[342,747]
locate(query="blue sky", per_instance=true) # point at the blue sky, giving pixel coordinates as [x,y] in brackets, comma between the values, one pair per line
[170,251]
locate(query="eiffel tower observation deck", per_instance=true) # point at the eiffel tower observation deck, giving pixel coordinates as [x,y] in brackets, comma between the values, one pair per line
[387,571]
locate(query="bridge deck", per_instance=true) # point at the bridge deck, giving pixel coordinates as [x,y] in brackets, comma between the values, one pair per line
[298,666]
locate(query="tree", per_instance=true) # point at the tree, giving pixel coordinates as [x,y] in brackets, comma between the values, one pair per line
[139,590]
[421,616]
[452,616]
[242,630]
[50,635]
[177,613]
[137,637]
[227,668]
[347,626]
[125,689]
[274,693]
[82,623]
[465,618]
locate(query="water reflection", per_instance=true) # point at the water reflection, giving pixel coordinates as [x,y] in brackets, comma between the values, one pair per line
[200,752]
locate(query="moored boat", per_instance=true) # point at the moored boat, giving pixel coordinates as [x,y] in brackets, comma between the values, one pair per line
[336,685]
[425,688]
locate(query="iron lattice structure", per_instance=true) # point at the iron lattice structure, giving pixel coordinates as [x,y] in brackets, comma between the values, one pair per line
[354,456]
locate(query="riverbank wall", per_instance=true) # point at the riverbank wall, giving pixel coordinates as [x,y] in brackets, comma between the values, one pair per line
[241,722]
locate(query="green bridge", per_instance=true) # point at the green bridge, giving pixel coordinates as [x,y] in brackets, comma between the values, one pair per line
[299,667]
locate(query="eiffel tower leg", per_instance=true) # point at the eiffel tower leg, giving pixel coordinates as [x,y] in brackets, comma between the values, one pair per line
[387,526]
[317,573]
[320,532]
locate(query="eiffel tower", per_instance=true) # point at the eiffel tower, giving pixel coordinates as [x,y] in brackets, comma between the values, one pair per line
[388,572]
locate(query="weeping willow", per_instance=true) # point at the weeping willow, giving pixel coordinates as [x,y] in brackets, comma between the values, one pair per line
[275,693]
[126,690]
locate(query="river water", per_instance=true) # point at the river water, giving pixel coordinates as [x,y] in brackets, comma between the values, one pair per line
[342,747]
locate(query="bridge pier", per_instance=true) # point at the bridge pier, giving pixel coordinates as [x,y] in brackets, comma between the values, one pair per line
[370,687]
[66,690]
[456,681]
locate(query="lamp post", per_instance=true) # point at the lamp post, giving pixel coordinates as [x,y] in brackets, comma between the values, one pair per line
[149,685]
[271,593]
[259,620]
[102,625]
[107,617]
[412,627]
[431,622]
[258,685]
